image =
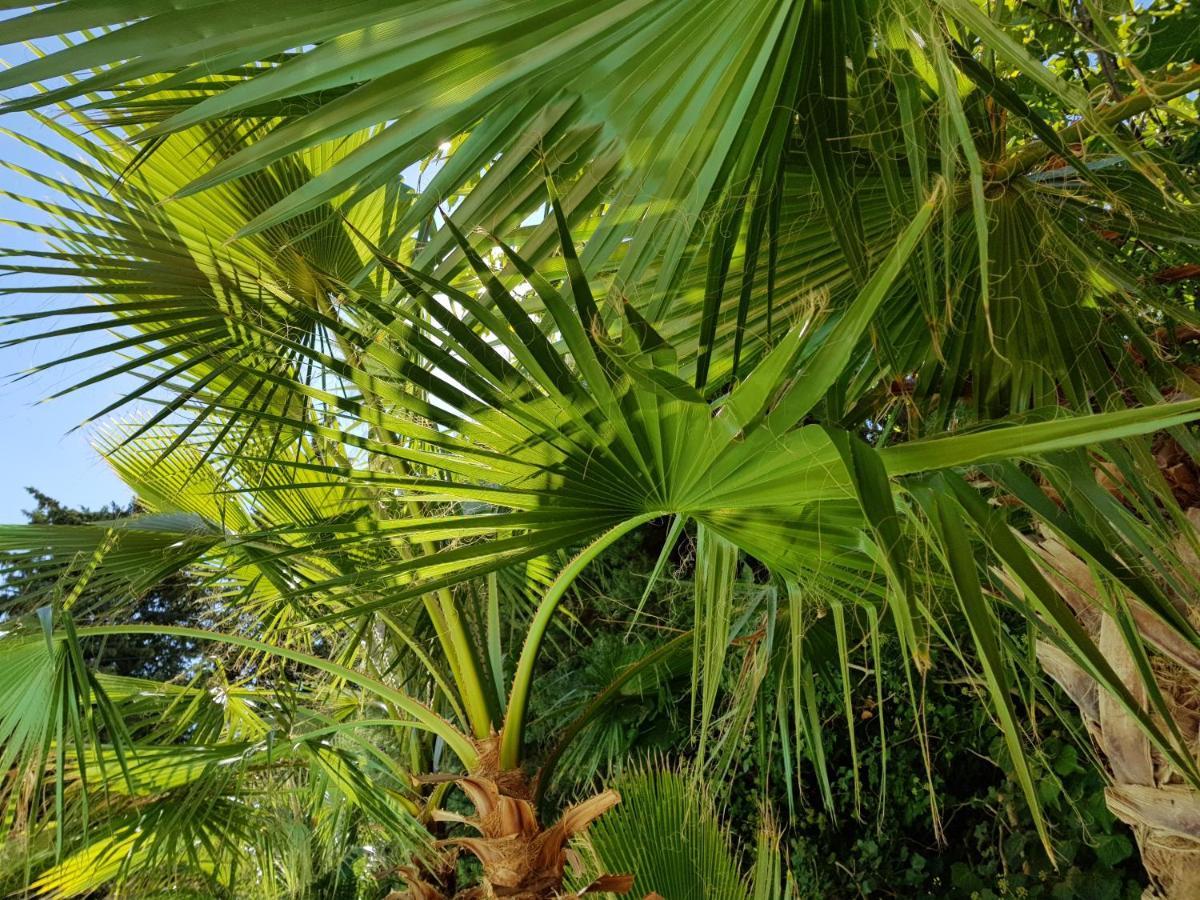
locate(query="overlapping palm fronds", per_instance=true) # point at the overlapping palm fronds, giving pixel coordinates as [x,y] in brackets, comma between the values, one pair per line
[529,437]
[704,860]
[678,120]
[363,415]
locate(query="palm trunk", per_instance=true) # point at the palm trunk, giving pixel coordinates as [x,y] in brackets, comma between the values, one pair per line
[521,859]
[1145,792]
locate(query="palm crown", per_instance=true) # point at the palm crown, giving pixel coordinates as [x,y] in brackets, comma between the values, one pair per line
[814,277]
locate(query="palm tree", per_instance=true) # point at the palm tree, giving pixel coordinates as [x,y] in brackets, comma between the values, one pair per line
[371,427]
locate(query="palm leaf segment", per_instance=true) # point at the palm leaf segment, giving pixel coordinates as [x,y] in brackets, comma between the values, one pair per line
[666,114]
[155,785]
[373,56]
[568,438]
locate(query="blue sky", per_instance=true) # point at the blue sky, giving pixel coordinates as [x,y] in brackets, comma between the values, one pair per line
[35,446]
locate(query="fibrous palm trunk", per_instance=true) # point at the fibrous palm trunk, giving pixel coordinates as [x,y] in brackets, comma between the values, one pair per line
[521,860]
[1145,791]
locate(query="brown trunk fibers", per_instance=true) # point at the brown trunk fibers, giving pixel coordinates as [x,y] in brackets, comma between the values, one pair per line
[521,859]
[1145,792]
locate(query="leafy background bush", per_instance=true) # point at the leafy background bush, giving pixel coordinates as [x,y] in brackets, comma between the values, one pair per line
[988,846]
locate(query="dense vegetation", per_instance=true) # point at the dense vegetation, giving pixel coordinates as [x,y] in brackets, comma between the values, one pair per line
[653,446]
[984,844]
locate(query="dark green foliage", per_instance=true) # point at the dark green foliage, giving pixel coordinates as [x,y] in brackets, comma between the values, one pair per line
[49,511]
[989,846]
[648,715]
[691,857]
[1170,32]
[960,226]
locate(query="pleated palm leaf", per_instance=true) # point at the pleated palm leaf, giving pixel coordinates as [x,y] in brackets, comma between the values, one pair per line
[703,862]
[719,190]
